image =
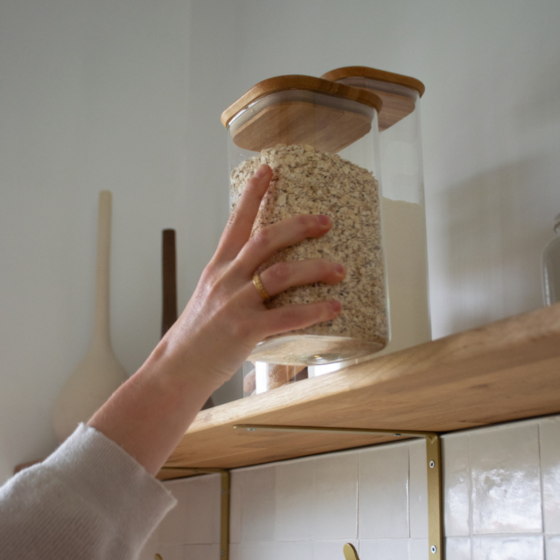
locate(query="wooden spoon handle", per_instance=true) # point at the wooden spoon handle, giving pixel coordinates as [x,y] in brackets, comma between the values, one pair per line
[169,287]
[169,280]
[101,331]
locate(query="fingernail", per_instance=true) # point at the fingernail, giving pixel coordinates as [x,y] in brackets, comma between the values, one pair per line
[324,221]
[339,269]
[336,306]
[261,171]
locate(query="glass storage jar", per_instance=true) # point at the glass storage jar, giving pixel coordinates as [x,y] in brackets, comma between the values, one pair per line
[403,209]
[321,141]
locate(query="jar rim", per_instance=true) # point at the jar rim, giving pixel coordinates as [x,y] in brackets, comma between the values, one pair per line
[375,74]
[300,82]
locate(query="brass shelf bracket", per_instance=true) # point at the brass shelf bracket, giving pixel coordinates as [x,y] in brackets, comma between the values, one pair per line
[433,463]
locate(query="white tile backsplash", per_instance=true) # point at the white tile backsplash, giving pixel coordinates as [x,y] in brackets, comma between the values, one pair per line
[202,512]
[196,518]
[506,487]
[418,549]
[332,550]
[170,551]
[294,500]
[200,552]
[258,503]
[384,549]
[499,484]
[456,485]
[272,551]
[418,491]
[458,548]
[235,500]
[552,547]
[511,547]
[550,465]
[384,485]
[335,508]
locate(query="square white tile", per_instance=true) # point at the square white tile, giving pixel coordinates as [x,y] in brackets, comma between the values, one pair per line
[384,549]
[272,551]
[235,496]
[456,484]
[418,489]
[202,514]
[335,507]
[506,486]
[170,552]
[235,551]
[294,500]
[291,551]
[552,547]
[513,547]
[172,528]
[458,548]
[550,468]
[258,503]
[383,492]
[249,551]
[332,550]
[418,549]
[200,552]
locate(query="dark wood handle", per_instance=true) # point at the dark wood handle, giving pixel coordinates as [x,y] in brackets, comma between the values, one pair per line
[169,280]
[169,291]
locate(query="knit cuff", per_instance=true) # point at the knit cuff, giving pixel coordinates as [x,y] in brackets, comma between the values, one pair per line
[112,481]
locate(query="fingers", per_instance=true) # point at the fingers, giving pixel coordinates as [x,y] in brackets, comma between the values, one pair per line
[281,276]
[240,224]
[294,317]
[269,240]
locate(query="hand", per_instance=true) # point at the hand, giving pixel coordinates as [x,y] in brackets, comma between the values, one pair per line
[224,320]
[226,317]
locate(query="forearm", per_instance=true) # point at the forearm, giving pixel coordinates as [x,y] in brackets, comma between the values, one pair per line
[149,413]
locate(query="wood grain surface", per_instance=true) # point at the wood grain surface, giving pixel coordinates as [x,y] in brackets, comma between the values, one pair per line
[326,128]
[168,280]
[397,92]
[300,83]
[508,370]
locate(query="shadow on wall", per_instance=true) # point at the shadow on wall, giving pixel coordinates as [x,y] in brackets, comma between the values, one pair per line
[495,229]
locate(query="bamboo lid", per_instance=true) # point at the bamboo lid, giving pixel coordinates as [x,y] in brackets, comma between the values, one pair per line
[397,104]
[326,122]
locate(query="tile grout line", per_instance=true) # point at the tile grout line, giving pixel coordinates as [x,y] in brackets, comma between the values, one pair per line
[358,488]
[408,495]
[470,482]
[543,532]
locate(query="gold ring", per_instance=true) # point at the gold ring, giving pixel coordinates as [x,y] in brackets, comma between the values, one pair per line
[260,288]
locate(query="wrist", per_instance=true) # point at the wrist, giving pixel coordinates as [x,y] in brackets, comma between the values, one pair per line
[172,368]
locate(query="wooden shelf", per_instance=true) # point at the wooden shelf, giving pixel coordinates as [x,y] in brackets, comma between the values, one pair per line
[508,370]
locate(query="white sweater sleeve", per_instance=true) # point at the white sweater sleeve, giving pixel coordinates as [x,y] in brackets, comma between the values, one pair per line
[90,500]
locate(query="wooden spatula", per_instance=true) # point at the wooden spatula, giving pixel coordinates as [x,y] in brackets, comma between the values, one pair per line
[99,373]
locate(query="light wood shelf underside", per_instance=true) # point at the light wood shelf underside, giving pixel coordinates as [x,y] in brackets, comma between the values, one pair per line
[508,370]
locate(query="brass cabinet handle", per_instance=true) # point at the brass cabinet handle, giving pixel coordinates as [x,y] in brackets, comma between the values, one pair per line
[350,553]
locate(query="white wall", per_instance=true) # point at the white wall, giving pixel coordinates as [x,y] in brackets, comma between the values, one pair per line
[94,95]
[126,95]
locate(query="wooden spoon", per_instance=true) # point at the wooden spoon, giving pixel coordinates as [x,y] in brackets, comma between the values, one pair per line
[169,287]
[99,374]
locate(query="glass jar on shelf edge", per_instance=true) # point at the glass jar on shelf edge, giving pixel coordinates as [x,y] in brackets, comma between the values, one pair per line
[320,139]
